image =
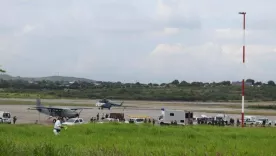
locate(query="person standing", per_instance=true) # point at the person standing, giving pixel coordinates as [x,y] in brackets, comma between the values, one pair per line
[14,119]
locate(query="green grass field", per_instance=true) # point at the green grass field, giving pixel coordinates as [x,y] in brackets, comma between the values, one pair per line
[25,95]
[133,140]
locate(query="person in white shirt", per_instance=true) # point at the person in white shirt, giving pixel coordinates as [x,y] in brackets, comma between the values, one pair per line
[57,126]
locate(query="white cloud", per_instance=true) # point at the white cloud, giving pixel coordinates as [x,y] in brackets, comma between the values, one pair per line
[142,40]
[209,61]
[163,11]
[166,32]
[229,33]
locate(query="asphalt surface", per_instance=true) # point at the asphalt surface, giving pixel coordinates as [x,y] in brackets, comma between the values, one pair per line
[30,116]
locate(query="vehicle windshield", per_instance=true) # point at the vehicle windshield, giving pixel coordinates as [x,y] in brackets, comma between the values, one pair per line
[6,115]
[139,120]
[160,117]
[70,120]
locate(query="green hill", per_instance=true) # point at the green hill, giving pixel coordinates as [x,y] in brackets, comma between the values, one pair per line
[48,78]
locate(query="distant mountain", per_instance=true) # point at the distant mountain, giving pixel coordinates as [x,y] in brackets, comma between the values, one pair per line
[49,78]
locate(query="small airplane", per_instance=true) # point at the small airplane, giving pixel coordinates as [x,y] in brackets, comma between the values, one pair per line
[57,112]
[104,103]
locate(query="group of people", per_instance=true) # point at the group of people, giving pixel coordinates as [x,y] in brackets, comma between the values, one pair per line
[149,121]
[218,122]
[104,116]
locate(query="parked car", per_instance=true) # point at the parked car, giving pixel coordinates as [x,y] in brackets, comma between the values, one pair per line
[261,120]
[5,117]
[74,121]
[136,120]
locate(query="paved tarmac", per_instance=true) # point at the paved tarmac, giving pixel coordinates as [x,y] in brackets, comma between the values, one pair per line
[30,116]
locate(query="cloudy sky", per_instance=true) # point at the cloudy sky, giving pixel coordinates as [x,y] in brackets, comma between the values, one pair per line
[138,40]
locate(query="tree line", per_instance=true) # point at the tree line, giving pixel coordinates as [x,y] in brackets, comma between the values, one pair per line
[175,90]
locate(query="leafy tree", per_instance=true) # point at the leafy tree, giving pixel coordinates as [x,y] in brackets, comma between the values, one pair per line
[184,83]
[175,82]
[271,83]
[258,83]
[2,71]
[226,83]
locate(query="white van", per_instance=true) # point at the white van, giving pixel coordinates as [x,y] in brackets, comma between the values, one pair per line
[5,117]
[169,116]
[249,120]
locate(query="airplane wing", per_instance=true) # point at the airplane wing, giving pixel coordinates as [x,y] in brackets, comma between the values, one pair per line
[82,108]
[49,108]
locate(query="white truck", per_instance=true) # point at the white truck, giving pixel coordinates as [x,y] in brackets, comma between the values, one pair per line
[74,121]
[170,116]
[250,120]
[5,117]
[261,120]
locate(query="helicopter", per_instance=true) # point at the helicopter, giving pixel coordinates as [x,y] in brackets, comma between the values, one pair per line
[104,103]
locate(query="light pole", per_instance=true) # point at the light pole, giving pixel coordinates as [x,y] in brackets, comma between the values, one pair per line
[243,61]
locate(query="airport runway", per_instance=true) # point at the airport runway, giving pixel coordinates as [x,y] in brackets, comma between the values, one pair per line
[30,116]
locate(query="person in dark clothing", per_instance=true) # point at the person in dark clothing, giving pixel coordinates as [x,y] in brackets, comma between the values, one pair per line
[14,119]
[263,123]
[106,115]
[153,121]
[98,116]
[231,121]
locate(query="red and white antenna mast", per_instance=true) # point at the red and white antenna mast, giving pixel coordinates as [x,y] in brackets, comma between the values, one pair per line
[243,61]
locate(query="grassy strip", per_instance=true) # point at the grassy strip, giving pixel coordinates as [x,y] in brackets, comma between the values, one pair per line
[52,94]
[142,103]
[26,95]
[18,102]
[135,140]
[271,107]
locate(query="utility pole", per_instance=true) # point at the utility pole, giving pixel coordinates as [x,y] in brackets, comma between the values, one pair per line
[243,61]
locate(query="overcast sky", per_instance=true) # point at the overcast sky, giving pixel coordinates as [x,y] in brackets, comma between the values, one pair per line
[138,40]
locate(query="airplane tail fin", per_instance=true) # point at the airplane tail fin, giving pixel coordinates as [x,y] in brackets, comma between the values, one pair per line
[121,103]
[38,103]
